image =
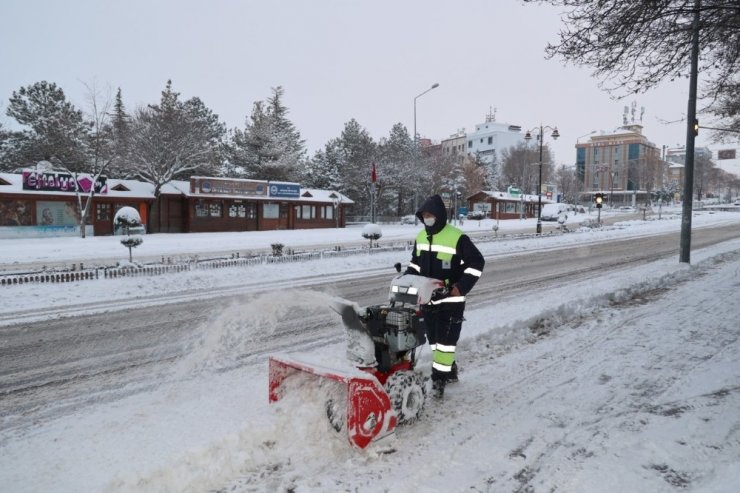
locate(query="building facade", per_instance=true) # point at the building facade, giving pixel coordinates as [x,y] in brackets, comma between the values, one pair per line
[620,164]
[490,138]
[44,203]
[455,146]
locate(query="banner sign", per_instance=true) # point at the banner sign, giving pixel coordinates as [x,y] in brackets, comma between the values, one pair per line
[244,188]
[50,181]
[285,190]
[726,154]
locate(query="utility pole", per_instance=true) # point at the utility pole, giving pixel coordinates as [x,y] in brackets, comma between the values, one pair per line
[691,131]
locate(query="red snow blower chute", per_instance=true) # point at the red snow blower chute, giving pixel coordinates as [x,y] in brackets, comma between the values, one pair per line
[381,388]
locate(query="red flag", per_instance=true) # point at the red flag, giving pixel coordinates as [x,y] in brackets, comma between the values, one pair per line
[373,175]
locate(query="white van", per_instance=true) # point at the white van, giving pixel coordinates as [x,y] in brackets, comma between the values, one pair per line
[551,212]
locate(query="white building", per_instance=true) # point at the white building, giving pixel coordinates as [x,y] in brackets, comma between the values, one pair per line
[491,138]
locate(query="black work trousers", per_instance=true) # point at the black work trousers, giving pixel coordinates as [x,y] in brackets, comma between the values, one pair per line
[443,326]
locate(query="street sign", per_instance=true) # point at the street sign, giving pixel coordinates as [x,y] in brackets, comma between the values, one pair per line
[726,154]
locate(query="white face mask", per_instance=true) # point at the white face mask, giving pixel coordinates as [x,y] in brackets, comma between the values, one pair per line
[429,221]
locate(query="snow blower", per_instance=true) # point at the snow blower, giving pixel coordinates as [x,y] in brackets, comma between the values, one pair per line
[381,388]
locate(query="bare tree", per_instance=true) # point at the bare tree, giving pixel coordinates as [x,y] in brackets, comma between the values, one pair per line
[568,184]
[633,46]
[99,151]
[521,167]
[702,175]
[475,177]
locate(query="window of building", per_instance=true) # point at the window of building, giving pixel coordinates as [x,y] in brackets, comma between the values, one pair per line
[307,212]
[490,140]
[327,212]
[237,209]
[470,144]
[201,208]
[103,212]
[214,209]
[270,211]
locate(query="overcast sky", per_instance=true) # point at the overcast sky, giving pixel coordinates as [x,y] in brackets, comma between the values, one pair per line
[336,59]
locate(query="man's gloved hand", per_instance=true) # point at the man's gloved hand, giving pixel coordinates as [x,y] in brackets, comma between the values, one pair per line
[440,293]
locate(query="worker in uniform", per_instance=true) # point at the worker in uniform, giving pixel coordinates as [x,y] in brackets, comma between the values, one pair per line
[444,252]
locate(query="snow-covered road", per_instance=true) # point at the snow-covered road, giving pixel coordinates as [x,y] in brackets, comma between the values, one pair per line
[628,381]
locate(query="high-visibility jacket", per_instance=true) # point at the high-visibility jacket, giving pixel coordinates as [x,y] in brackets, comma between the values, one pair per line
[450,256]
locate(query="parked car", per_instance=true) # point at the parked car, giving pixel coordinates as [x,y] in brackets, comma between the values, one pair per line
[410,219]
[551,212]
[477,215]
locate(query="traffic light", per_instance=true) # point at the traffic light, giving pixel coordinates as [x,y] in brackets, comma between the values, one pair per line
[599,198]
[696,126]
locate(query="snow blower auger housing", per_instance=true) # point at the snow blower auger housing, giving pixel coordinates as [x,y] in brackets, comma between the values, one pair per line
[380,388]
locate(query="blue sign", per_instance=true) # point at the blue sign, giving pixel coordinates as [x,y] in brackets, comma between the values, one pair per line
[285,190]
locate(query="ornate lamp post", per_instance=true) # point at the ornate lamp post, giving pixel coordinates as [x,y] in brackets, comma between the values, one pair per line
[540,134]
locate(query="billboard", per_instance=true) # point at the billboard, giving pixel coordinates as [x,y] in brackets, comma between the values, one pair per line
[57,214]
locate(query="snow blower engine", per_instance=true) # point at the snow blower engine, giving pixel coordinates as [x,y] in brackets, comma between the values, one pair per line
[381,388]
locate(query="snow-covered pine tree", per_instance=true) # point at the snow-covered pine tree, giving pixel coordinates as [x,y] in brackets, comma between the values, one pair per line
[54,129]
[270,147]
[172,140]
[121,133]
[397,175]
[322,171]
[355,153]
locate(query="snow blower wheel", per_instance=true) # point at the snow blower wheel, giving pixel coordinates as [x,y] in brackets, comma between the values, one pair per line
[407,394]
[336,413]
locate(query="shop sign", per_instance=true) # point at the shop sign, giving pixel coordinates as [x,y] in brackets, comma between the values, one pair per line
[285,190]
[51,181]
[248,188]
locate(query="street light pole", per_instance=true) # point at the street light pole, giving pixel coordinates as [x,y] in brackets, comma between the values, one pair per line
[528,136]
[416,148]
[611,192]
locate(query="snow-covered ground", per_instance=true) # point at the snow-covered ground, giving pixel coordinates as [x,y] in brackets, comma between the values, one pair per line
[631,383]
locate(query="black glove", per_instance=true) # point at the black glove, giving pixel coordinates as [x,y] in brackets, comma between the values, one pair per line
[440,293]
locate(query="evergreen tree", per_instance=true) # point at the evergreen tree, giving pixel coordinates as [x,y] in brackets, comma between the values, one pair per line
[269,148]
[355,154]
[173,140]
[397,173]
[54,129]
[120,123]
[322,171]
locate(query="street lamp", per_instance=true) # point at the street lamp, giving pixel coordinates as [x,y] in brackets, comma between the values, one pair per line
[528,136]
[416,148]
[585,135]
[434,86]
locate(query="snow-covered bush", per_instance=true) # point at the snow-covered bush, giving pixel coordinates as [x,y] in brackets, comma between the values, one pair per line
[126,220]
[277,249]
[371,232]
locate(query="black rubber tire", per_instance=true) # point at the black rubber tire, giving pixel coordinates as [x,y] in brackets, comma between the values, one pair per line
[336,413]
[407,393]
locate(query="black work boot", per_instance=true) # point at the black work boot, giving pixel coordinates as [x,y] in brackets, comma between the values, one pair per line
[438,388]
[452,378]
